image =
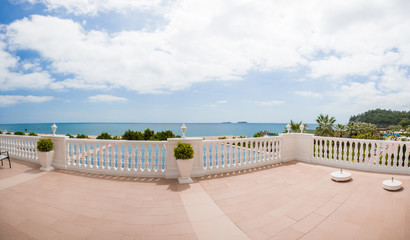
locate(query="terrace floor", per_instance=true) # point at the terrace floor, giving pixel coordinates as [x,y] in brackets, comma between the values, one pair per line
[287,201]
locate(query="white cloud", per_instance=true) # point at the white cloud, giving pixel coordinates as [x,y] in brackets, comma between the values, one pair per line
[106,98]
[93,7]
[359,97]
[10,100]
[221,102]
[268,103]
[25,75]
[224,40]
[308,94]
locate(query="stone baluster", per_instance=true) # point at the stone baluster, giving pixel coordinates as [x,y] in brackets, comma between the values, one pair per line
[151,163]
[160,164]
[146,157]
[407,155]
[133,149]
[213,153]
[400,154]
[389,154]
[206,156]
[139,156]
[395,148]
[219,152]
[355,151]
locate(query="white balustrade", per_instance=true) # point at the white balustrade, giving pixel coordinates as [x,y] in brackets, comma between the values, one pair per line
[20,147]
[118,157]
[228,155]
[150,158]
[362,154]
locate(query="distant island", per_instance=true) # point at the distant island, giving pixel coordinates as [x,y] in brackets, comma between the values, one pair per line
[242,122]
[226,122]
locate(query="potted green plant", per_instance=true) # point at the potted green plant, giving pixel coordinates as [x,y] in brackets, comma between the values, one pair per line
[184,154]
[45,149]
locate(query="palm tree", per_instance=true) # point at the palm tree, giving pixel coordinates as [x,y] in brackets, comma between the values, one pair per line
[295,126]
[339,130]
[351,129]
[325,127]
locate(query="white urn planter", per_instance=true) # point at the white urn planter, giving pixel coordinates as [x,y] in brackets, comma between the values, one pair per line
[185,169]
[184,154]
[46,159]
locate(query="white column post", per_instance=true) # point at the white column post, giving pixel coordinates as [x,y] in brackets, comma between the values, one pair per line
[304,150]
[60,152]
[296,146]
[171,164]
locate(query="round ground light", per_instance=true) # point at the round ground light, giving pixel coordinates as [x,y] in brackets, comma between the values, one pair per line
[341,176]
[392,185]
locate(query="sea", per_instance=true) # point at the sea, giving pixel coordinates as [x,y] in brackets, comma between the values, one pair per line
[118,129]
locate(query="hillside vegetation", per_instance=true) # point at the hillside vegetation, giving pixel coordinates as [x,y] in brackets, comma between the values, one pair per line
[381,117]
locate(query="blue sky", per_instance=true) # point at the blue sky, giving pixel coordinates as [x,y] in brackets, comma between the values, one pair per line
[201,61]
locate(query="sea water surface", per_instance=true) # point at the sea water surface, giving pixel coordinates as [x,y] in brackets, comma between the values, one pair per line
[118,129]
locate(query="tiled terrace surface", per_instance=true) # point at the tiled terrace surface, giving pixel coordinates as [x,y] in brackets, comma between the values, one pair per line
[288,201]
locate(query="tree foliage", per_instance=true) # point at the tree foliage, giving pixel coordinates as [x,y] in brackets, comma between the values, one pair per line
[149,135]
[404,123]
[381,117]
[81,136]
[295,127]
[362,130]
[104,135]
[325,126]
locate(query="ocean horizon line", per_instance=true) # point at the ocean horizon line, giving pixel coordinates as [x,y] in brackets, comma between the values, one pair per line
[239,122]
[118,128]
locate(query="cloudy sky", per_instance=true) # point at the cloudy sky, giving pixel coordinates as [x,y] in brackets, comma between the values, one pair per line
[201,61]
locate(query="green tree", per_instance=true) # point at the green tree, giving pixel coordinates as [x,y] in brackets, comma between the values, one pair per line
[363,130]
[104,135]
[404,123]
[149,134]
[340,130]
[295,127]
[81,135]
[325,126]
[131,135]
[381,117]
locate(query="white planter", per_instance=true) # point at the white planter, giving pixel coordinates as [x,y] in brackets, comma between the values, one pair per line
[185,168]
[46,158]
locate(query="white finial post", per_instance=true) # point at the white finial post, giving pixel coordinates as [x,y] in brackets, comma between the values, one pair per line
[183,129]
[288,127]
[301,127]
[54,129]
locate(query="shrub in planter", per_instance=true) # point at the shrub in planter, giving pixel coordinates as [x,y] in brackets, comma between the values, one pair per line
[45,145]
[46,153]
[32,134]
[183,151]
[19,133]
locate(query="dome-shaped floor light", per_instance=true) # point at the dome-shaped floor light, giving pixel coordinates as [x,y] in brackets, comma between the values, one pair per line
[341,176]
[391,184]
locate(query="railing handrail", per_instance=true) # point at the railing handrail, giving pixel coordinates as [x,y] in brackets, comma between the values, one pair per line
[19,136]
[113,140]
[241,139]
[359,139]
